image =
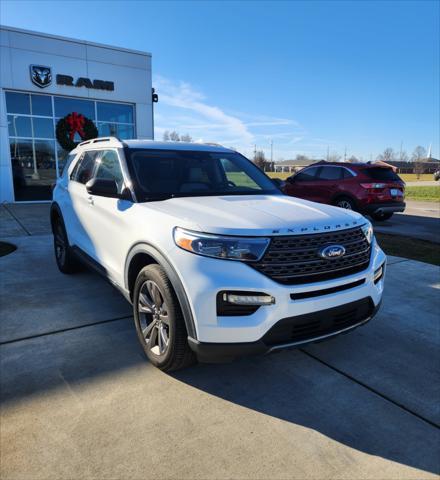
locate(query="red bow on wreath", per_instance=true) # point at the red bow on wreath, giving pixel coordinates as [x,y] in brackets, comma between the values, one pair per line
[76,124]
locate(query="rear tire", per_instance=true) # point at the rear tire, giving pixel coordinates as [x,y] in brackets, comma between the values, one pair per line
[345,202]
[66,261]
[381,217]
[159,322]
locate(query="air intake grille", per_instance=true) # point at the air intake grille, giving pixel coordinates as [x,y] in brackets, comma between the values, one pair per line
[295,259]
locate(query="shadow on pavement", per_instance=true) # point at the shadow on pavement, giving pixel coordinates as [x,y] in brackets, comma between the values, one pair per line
[294,388]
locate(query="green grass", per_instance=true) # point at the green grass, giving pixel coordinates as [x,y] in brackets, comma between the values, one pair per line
[407,247]
[427,194]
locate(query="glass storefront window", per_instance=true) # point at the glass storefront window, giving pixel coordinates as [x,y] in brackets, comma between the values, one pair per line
[114,112]
[43,127]
[18,103]
[121,131]
[41,105]
[33,168]
[36,156]
[64,106]
[19,126]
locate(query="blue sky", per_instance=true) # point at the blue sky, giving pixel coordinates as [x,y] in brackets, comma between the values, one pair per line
[308,75]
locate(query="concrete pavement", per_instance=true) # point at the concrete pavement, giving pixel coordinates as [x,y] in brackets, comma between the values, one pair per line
[420,220]
[80,401]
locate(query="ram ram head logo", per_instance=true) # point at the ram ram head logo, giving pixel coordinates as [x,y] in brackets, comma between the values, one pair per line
[41,76]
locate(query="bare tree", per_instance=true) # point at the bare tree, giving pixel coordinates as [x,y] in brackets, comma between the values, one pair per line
[419,167]
[186,138]
[260,159]
[388,155]
[403,156]
[301,158]
[418,154]
[174,136]
[353,159]
[166,136]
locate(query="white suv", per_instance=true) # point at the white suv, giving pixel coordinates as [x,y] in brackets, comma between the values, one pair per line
[216,261]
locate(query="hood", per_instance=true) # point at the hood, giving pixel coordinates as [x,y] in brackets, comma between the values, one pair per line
[256,215]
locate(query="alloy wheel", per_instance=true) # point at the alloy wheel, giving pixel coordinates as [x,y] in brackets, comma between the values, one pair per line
[153,318]
[60,244]
[345,204]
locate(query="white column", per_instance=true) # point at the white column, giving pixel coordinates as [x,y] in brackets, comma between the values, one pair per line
[6,184]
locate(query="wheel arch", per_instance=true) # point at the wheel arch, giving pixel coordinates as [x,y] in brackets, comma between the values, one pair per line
[55,212]
[339,195]
[143,254]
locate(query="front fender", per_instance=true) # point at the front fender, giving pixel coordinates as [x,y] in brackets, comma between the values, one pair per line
[175,280]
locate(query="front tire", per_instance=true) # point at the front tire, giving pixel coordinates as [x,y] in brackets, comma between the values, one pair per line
[159,322]
[345,202]
[65,258]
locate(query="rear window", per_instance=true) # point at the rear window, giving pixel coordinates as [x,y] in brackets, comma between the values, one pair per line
[383,174]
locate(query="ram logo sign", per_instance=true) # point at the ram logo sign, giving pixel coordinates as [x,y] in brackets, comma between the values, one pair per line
[41,76]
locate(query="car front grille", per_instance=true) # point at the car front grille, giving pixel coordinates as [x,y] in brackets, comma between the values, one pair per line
[295,259]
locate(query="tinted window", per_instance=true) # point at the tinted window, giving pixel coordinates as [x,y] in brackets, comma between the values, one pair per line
[109,168]
[43,127]
[346,173]
[83,170]
[17,103]
[381,173]
[41,105]
[115,112]
[64,106]
[19,126]
[330,173]
[307,175]
[163,173]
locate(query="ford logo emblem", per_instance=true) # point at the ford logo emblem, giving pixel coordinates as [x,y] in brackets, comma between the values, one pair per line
[332,251]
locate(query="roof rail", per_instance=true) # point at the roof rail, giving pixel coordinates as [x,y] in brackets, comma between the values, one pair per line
[100,139]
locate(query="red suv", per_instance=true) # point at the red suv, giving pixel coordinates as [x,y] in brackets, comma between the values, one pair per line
[367,188]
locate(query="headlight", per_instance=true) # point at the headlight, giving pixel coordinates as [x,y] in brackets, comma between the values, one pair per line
[368,232]
[219,246]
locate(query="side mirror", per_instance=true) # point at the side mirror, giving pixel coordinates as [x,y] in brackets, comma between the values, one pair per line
[103,187]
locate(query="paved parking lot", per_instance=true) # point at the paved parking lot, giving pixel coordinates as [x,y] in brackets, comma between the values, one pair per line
[80,401]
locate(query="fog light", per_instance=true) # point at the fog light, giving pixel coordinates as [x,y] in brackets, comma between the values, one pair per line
[238,299]
[378,274]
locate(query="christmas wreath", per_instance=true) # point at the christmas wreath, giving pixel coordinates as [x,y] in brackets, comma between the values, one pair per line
[71,124]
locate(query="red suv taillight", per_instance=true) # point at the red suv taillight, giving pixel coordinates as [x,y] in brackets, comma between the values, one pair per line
[373,186]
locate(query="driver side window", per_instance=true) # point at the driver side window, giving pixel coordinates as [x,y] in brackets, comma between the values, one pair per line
[109,168]
[307,175]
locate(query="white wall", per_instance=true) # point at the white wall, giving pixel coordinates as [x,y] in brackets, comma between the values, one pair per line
[129,70]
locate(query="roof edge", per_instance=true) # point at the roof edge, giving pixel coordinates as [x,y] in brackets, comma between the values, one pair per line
[74,40]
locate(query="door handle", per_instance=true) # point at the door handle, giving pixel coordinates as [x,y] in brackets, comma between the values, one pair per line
[90,200]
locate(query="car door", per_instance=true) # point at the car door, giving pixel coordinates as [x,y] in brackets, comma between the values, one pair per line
[328,182]
[303,184]
[79,203]
[107,218]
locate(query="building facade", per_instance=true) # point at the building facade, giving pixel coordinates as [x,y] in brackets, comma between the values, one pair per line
[44,78]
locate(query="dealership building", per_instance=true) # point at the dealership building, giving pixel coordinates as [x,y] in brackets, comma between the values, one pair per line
[46,78]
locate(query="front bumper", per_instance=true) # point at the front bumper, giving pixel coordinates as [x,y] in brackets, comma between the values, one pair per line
[389,207]
[292,332]
[203,278]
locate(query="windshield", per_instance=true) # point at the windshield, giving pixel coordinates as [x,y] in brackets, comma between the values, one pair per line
[161,174]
